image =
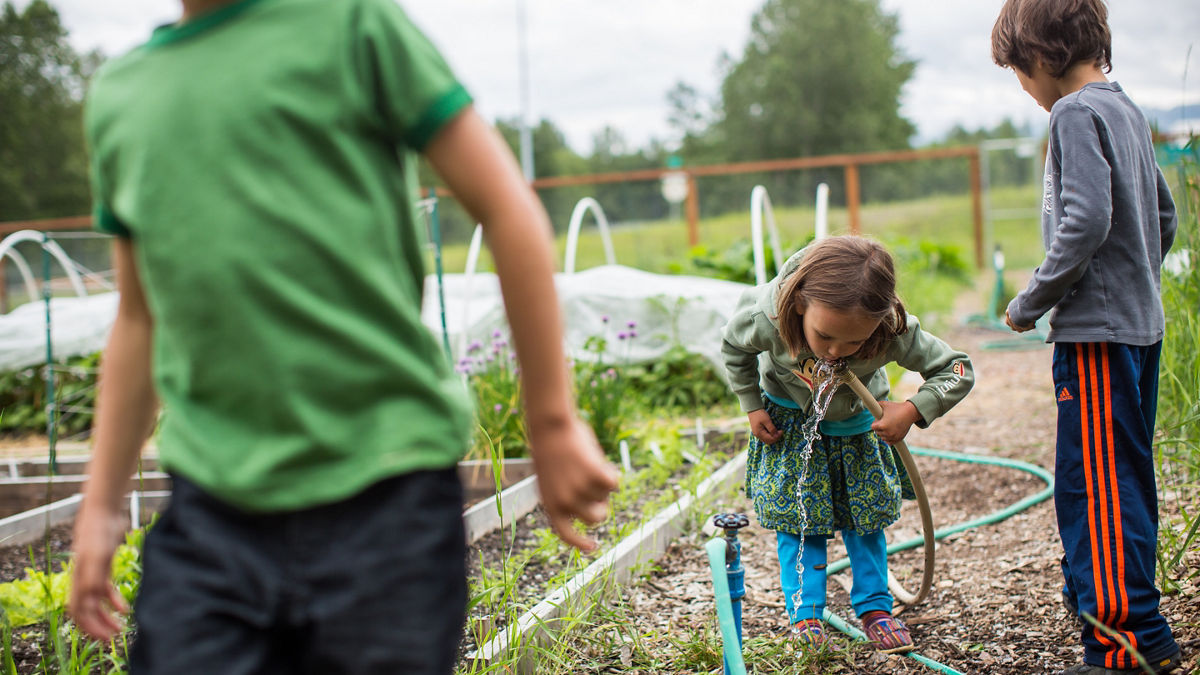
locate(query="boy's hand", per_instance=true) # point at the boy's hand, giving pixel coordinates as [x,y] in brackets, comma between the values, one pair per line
[94,602]
[897,419]
[574,478]
[763,428]
[1020,329]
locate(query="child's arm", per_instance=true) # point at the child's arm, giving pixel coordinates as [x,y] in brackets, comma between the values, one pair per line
[741,345]
[1086,195]
[1167,220]
[573,475]
[126,406]
[948,376]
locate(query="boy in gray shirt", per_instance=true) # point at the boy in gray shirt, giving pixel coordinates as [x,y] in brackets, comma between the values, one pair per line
[1107,222]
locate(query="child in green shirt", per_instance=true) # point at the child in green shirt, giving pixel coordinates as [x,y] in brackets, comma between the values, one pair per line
[256,162]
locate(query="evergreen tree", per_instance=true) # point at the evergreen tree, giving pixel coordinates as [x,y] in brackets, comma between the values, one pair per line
[43,168]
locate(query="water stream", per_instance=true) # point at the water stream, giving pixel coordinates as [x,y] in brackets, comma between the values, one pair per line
[826,378]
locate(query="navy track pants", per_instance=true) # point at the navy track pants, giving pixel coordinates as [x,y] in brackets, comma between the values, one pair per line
[1105,496]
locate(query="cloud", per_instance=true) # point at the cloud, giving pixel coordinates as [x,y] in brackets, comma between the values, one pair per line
[595,64]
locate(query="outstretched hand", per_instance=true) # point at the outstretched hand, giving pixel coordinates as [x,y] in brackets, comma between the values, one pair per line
[94,603]
[574,478]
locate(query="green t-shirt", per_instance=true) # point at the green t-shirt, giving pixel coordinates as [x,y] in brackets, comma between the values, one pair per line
[260,159]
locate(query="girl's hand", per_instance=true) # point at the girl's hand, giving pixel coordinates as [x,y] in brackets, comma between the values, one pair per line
[763,428]
[897,419]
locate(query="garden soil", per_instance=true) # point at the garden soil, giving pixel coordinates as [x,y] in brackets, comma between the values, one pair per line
[995,606]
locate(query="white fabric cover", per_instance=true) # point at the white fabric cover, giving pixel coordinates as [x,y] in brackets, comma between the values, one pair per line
[666,309]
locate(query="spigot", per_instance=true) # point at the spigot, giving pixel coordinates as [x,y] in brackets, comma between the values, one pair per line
[731,522]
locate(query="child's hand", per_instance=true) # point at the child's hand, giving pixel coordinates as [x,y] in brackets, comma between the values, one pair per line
[763,428]
[94,602]
[1020,329]
[574,478]
[897,419]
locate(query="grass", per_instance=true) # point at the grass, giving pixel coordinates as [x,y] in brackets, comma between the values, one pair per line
[1178,445]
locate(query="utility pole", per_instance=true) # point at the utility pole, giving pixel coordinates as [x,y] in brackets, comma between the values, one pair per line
[523,82]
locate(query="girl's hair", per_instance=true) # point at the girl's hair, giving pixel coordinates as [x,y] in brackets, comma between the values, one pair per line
[848,274]
[1058,33]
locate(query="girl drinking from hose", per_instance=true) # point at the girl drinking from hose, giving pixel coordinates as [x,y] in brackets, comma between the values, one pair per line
[834,300]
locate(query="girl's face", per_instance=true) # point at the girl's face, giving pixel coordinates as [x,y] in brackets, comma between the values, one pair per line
[835,333]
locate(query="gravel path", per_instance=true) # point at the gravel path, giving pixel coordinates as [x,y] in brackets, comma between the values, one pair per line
[995,606]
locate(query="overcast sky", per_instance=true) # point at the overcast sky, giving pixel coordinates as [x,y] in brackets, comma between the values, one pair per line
[611,62]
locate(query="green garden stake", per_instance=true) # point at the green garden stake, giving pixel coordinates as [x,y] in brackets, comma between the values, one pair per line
[436,231]
[51,426]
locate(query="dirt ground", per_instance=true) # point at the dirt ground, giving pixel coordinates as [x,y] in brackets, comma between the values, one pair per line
[995,606]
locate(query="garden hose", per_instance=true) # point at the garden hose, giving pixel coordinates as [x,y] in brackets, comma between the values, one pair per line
[908,599]
[992,518]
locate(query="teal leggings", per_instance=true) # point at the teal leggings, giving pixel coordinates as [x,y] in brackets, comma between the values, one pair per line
[868,561]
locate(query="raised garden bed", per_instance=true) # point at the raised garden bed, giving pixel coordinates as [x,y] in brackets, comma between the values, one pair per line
[528,587]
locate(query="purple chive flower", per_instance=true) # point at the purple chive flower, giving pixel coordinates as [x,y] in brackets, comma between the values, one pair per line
[622,335]
[604,319]
[631,324]
[475,346]
[632,334]
[496,334]
[498,407]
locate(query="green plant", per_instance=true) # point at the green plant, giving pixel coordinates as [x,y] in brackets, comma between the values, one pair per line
[678,382]
[23,397]
[929,256]
[493,377]
[1177,448]
[735,261]
[601,389]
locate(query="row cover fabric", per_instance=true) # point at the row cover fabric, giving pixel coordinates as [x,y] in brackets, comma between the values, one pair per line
[664,310]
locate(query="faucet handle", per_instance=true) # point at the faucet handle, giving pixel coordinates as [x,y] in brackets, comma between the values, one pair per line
[731,521]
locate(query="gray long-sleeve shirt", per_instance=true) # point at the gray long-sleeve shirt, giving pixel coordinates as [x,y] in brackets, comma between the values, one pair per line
[1107,222]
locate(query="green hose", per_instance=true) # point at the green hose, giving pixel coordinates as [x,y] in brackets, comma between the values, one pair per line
[729,636]
[995,517]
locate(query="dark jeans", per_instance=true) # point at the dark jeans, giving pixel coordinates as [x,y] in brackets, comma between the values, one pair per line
[372,584]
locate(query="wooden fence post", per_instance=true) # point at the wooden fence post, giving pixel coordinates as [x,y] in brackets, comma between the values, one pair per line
[692,206]
[852,198]
[977,205]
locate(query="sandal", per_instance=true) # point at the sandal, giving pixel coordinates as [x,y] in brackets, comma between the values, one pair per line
[810,634]
[1163,665]
[887,633]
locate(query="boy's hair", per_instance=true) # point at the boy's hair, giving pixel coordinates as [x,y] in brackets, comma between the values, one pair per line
[1057,33]
[849,274]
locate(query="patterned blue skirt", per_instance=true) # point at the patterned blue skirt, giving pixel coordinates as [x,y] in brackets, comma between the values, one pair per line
[851,483]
